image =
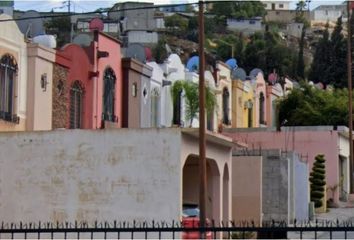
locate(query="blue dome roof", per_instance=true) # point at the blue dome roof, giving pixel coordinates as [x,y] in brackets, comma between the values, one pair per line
[193,64]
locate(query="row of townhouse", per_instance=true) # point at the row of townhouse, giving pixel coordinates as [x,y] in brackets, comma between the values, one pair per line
[93,86]
[149,173]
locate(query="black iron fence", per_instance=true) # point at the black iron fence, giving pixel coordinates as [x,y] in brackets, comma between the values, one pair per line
[176,230]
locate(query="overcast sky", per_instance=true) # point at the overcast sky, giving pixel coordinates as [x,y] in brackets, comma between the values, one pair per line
[87,5]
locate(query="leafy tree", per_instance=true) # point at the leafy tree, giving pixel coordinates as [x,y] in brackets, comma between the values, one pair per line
[159,51]
[300,64]
[338,67]
[318,180]
[244,9]
[191,93]
[320,71]
[61,27]
[177,24]
[309,106]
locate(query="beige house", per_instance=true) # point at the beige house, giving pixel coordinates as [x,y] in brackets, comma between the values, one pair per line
[40,84]
[13,77]
[224,95]
[116,174]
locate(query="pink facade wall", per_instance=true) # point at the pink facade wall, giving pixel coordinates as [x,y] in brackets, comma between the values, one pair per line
[79,70]
[86,66]
[306,143]
[112,46]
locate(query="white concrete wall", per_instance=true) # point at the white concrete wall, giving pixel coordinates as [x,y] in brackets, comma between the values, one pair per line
[80,175]
[344,153]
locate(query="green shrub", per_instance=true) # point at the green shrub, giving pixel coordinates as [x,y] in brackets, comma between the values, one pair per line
[317,179]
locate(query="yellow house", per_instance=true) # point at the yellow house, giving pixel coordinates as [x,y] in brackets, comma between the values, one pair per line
[237,103]
[248,104]
[224,95]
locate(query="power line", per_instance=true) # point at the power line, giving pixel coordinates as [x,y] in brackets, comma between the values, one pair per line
[101,12]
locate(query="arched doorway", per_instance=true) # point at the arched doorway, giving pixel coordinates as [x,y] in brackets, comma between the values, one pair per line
[109,86]
[76,105]
[191,186]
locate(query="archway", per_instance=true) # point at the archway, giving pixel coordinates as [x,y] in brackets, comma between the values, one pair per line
[191,186]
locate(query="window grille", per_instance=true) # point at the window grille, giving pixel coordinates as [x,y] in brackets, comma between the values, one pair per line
[225,106]
[76,102]
[8,74]
[109,81]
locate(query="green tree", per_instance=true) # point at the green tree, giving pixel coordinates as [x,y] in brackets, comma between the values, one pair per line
[318,180]
[309,106]
[244,9]
[322,59]
[61,27]
[191,94]
[338,66]
[159,51]
[301,64]
[177,24]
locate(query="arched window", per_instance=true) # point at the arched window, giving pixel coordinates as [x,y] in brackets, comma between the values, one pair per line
[225,106]
[8,73]
[109,85]
[261,108]
[155,107]
[177,109]
[76,102]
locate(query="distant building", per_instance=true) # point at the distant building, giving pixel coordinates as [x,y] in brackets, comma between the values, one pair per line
[331,13]
[284,16]
[276,5]
[7,7]
[246,26]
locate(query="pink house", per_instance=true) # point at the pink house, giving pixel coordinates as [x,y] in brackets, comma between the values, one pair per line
[93,83]
[308,142]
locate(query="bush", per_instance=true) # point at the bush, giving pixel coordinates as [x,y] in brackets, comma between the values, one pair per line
[317,179]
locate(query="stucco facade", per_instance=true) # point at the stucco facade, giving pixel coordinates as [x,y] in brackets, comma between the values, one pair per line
[39,91]
[308,142]
[116,174]
[95,72]
[12,44]
[136,94]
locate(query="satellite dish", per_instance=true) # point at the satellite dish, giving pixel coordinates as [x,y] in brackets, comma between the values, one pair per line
[193,64]
[254,73]
[239,73]
[46,40]
[96,24]
[136,51]
[272,78]
[84,40]
[232,63]
[33,26]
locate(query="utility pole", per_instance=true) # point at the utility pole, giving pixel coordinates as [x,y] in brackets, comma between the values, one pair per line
[350,93]
[202,140]
[71,24]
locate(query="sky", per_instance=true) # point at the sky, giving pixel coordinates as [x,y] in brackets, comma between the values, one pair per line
[90,5]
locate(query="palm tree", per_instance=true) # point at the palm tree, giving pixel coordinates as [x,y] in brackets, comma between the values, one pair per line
[191,94]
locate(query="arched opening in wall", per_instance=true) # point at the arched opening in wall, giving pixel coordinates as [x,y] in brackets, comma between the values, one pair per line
[225,106]
[225,190]
[191,186]
[250,113]
[76,105]
[109,86]
[177,108]
[261,108]
[155,107]
[210,120]
[8,76]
